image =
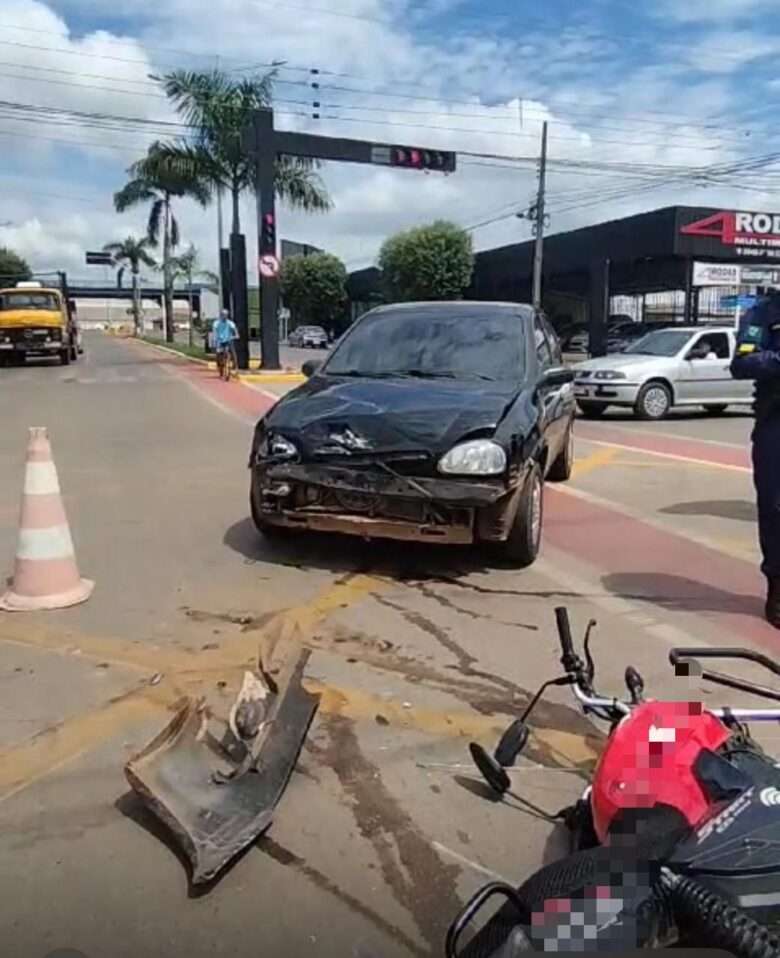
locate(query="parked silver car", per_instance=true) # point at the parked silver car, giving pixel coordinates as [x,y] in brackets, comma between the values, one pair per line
[309,336]
[677,366]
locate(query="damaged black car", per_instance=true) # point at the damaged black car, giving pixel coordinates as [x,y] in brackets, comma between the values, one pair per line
[429,422]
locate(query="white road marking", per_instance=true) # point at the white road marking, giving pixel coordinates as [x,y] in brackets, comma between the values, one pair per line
[631,431]
[716,545]
[666,455]
[468,863]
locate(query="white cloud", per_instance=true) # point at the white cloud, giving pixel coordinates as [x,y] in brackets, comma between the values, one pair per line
[705,11]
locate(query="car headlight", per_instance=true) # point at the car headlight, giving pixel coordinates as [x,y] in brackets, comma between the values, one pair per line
[281,448]
[480,457]
[609,374]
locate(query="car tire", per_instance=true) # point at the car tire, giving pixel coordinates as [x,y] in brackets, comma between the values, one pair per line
[265,528]
[592,410]
[525,537]
[654,401]
[65,356]
[561,469]
[716,409]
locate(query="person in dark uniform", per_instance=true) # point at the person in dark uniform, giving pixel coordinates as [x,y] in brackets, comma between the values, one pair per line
[757,357]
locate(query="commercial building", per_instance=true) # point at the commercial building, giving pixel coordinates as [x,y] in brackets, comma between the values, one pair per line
[688,249]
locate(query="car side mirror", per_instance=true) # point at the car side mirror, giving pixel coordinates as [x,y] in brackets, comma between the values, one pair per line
[310,367]
[557,376]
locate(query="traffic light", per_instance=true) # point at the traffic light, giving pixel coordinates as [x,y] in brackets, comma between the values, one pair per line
[413,158]
[268,234]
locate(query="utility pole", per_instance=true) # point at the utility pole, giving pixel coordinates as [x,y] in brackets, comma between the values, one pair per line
[540,198]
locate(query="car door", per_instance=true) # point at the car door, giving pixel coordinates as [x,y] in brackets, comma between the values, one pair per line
[552,398]
[705,376]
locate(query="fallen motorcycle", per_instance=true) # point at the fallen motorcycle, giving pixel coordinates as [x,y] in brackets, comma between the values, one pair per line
[675,842]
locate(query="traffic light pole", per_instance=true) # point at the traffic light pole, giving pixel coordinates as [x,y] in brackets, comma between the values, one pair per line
[265,144]
[265,151]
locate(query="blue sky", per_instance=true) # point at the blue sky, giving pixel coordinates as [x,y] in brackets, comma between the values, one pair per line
[675,84]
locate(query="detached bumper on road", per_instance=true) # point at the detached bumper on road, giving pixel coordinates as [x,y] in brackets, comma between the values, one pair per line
[370,504]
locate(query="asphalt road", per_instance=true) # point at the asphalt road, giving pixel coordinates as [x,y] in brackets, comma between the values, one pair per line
[383,830]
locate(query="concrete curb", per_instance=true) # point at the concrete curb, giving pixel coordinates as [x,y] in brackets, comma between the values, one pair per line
[271,378]
[257,378]
[171,352]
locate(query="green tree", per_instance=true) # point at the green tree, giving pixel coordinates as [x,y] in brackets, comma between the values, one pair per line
[157,180]
[134,253]
[13,269]
[187,266]
[220,107]
[429,262]
[315,288]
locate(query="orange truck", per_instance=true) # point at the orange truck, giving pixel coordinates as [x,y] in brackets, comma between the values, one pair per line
[36,320]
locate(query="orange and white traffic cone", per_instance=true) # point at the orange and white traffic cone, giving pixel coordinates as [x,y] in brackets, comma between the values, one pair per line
[46,575]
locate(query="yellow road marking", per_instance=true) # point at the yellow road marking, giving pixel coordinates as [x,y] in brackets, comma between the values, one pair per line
[22,765]
[141,656]
[602,457]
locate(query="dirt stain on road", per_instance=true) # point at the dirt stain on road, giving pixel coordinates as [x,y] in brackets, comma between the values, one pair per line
[418,878]
[285,857]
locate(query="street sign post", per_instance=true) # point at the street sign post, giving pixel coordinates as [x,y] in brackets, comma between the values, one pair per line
[99,259]
[269,266]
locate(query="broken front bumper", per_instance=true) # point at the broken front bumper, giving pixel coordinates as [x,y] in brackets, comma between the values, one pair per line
[372,504]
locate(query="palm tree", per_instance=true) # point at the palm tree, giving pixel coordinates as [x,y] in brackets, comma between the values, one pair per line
[156,180]
[187,265]
[134,253]
[220,108]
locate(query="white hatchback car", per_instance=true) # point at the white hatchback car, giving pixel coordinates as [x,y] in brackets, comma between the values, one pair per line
[676,366]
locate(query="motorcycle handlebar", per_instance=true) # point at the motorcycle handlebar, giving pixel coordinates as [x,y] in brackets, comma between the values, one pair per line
[564,633]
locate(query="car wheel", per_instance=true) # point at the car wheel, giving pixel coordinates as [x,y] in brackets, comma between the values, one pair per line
[716,409]
[592,410]
[560,470]
[654,401]
[65,356]
[525,538]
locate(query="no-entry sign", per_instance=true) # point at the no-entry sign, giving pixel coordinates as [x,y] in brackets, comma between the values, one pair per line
[269,266]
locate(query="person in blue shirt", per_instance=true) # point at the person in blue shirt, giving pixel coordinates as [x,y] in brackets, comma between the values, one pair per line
[225,334]
[757,357]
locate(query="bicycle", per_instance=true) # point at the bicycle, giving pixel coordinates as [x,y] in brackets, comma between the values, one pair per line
[226,363]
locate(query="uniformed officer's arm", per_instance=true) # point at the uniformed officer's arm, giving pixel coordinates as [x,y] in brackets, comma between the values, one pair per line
[752,359]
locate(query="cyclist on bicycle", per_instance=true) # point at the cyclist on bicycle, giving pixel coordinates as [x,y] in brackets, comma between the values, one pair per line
[225,335]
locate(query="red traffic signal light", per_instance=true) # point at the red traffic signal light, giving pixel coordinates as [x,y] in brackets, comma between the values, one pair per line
[417,159]
[268,235]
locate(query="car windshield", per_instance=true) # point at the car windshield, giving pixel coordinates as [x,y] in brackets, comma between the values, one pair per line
[462,344]
[28,301]
[664,342]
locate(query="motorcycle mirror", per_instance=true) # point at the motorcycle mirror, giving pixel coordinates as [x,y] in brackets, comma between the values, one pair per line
[635,684]
[490,770]
[511,744]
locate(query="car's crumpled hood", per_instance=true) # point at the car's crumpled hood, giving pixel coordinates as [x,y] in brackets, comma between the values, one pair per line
[390,415]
